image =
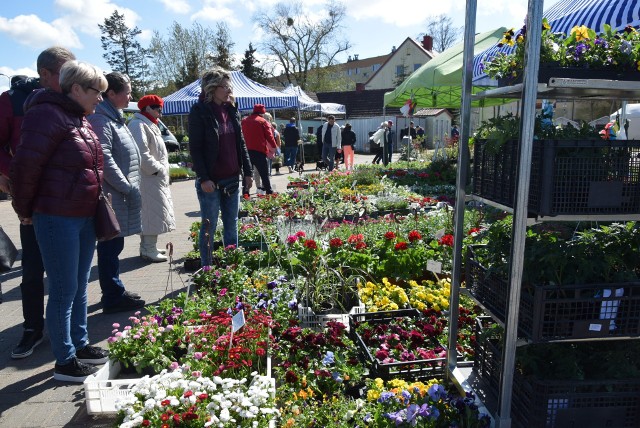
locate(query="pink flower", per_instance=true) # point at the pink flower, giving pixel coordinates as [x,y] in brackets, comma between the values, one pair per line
[174,365]
[222,292]
[196,373]
[116,325]
[292,239]
[197,355]
[301,234]
[112,340]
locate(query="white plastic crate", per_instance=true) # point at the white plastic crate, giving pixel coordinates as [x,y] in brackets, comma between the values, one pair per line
[308,318]
[102,389]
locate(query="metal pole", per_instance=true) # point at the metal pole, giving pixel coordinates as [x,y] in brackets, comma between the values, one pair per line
[461,179]
[518,233]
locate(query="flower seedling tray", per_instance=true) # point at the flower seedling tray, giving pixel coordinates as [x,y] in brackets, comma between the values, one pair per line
[547,72]
[308,318]
[556,403]
[563,312]
[416,369]
[569,177]
[103,389]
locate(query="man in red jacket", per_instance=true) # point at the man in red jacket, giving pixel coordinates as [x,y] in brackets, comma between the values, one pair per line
[258,134]
[11,112]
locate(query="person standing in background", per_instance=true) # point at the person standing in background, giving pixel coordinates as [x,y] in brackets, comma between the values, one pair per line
[55,181]
[348,143]
[379,138]
[390,140]
[331,140]
[220,157]
[157,204]
[261,144]
[122,181]
[291,136]
[48,64]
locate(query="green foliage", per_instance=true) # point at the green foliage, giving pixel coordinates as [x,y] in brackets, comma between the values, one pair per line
[249,66]
[123,52]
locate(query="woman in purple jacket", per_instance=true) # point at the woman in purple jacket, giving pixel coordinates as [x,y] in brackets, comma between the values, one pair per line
[54,176]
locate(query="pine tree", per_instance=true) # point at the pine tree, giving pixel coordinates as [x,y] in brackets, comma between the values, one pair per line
[249,66]
[123,52]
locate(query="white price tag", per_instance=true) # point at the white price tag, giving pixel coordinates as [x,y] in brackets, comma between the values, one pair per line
[434,266]
[237,321]
[439,234]
[595,327]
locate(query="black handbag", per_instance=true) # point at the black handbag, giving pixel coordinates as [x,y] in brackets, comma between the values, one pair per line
[8,251]
[105,220]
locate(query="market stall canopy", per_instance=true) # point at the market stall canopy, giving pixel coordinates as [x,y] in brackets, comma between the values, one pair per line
[438,83]
[246,91]
[306,103]
[566,14]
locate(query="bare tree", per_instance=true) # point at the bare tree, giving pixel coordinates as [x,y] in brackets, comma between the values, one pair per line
[183,54]
[443,32]
[298,42]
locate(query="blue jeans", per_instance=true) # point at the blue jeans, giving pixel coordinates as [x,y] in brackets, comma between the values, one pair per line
[212,204]
[109,271]
[290,153]
[67,245]
[328,155]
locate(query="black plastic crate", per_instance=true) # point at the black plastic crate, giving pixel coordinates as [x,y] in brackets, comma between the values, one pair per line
[560,312]
[567,177]
[417,369]
[557,403]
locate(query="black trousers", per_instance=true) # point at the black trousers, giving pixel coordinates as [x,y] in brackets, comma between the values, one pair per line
[32,286]
[259,160]
[378,157]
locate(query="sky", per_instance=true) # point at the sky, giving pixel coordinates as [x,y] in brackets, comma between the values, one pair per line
[373,27]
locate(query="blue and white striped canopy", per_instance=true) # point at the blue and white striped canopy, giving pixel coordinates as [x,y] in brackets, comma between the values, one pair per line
[246,91]
[566,14]
[309,104]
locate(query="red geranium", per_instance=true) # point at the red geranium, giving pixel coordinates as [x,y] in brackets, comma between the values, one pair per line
[335,243]
[414,236]
[401,246]
[361,246]
[390,236]
[446,240]
[310,244]
[355,238]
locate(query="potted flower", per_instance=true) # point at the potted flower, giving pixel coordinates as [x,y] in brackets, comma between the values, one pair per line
[185,398]
[580,54]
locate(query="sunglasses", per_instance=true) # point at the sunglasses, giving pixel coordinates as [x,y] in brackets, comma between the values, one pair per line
[156,107]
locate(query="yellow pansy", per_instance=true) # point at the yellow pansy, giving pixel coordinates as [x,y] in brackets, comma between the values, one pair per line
[581,32]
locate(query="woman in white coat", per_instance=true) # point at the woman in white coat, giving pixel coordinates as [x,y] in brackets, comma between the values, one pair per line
[157,205]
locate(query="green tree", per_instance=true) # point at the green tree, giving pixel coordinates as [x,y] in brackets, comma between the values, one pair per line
[182,55]
[123,52]
[223,45]
[249,66]
[297,42]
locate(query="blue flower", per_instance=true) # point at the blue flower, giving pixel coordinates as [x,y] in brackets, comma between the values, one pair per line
[406,395]
[396,417]
[385,396]
[271,285]
[436,392]
[329,359]
[625,47]
[293,305]
[336,376]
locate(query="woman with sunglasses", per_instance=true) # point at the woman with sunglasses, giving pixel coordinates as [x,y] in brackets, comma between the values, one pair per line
[122,181]
[220,157]
[55,176]
[157,204]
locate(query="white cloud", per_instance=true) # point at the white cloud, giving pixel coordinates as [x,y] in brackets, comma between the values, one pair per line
[30,30]
[176,6]
[85,16]
[217,13]
[402,14]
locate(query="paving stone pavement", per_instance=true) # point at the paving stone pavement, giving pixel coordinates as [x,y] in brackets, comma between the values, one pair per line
[29,396]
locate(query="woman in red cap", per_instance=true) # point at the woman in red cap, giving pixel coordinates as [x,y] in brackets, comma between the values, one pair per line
[157,204]
[258,133]
[220,158]
[122,181]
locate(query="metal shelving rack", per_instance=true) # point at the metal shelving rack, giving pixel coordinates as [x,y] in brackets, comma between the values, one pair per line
[528,91]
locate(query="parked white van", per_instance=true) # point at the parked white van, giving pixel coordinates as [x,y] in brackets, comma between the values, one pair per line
[170,140]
